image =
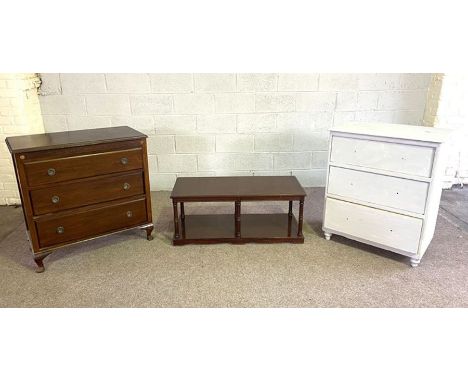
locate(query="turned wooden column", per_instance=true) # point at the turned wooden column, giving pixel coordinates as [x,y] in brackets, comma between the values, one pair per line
[301,218]
[238,218]
[290,208]
[176,221]
[182,212]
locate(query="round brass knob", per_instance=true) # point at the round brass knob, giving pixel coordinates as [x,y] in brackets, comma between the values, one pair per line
[55,199]
[51,171]
[126,186]
[60,230]
[129,214]
[124,160]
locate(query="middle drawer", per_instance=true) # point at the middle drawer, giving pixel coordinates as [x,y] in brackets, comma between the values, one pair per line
[403,194]
[81,193]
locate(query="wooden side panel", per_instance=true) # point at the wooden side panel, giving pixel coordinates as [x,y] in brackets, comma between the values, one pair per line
[433,200]
[149,211]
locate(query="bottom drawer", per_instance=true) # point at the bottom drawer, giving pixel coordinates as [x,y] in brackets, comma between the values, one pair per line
[82,225]
[372,224]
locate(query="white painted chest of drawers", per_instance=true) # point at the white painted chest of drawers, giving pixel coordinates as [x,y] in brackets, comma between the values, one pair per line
[384,185]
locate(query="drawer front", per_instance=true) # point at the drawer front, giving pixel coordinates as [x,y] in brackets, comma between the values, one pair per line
[389,191]
[81,193]
[76,167]
[396,157]
[379,226]
[90,223]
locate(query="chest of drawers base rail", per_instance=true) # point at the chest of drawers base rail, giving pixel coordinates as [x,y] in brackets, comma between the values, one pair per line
[384,184]
[81,185]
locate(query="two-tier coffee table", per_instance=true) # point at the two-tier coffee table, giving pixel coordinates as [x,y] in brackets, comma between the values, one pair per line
[237,228]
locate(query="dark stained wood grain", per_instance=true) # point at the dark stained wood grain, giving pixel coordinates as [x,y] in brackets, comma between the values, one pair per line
[83,192]
[75,167]
[98,177]
[40,142]
[75,226]
[235,187]
[237,228]
[256,228]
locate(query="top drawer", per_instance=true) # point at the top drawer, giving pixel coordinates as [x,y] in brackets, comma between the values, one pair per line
[396,157]
[82,166]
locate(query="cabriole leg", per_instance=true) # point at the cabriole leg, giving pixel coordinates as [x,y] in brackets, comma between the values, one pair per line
[38,259]
[149,231]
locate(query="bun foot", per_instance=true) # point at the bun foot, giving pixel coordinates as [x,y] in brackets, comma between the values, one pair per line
[327,235]
[414,262]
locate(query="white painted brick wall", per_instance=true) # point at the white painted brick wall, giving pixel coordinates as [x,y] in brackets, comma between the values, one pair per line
[78,122]
[298,82]
[217,123]
[275,102]
[63,105]
[161,144]
[108,104]
[174,163]
[316,101]
[234,143]
[171,83]
[77,84]
[194,103]
[195,143]
[145,123]
[257,82]
[128,83]
[235,161]
[235,103]
[174,124]
[292,161]
[256,123]
[20,114]
[231,124]
[215,83]
[273,142]
[338,82]
[147,104]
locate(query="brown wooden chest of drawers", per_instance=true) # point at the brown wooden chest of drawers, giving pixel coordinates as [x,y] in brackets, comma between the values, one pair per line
[81,184]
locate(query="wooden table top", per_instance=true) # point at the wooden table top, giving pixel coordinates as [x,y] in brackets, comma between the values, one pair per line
[36,142]
[238,187]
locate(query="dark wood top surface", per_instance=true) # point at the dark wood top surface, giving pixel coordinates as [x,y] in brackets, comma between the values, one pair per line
[237,187]
[37,142]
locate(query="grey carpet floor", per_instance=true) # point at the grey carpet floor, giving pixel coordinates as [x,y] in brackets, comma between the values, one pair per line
[125,270]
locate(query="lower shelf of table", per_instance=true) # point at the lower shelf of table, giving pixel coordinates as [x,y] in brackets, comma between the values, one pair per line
[255,228]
